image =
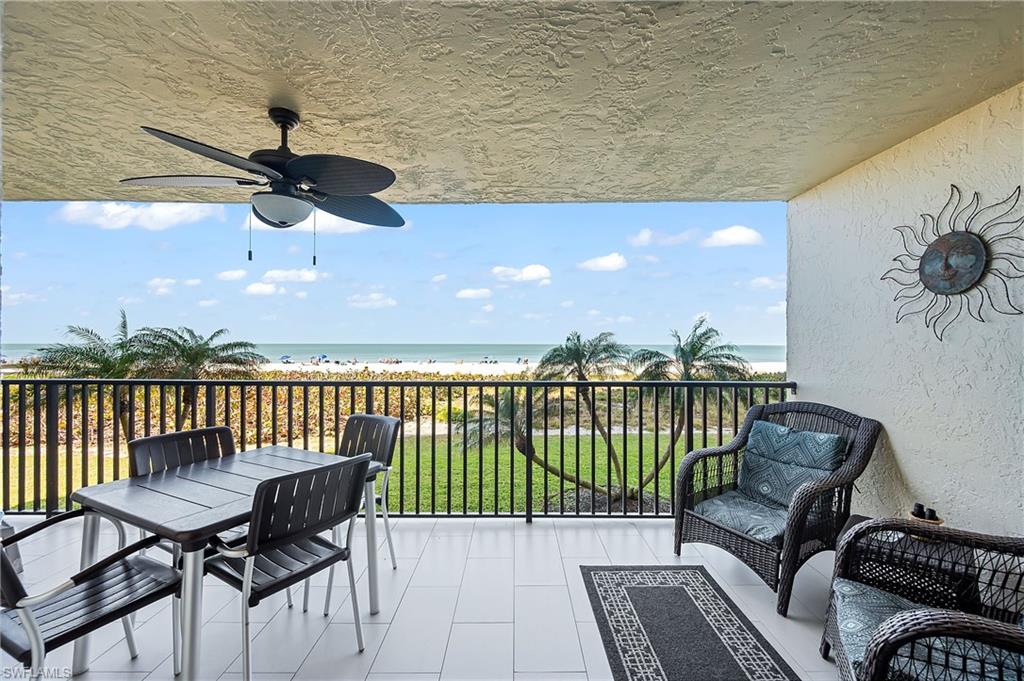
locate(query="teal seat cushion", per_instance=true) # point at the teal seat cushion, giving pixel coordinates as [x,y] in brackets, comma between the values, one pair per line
[778,460]
[739,512]
[861,609]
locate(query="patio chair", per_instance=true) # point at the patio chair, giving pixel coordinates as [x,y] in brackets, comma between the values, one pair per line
[283,547]
[375,435]
[169,450]
[111,589]
[915,601]
[775,510]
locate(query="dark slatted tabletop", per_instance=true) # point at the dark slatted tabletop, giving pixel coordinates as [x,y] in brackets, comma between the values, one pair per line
[191,503]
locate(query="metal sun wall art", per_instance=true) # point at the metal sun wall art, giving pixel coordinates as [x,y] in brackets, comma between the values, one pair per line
[961,258]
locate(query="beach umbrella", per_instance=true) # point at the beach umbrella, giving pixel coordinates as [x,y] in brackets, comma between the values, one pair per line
[285,358]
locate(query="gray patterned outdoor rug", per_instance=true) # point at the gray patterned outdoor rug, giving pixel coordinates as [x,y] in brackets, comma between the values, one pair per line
[674,623]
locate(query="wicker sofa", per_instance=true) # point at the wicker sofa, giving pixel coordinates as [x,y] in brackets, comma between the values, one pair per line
[929,603]
[784,536]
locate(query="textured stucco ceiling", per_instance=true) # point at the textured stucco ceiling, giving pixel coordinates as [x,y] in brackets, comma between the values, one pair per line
[493,102]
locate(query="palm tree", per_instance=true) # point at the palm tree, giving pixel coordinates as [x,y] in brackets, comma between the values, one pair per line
[493,416]
[184,354]
[579,359]
[94,356]
[700,356]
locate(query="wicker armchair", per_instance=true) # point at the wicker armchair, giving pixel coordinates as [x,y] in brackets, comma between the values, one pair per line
[816,513]
[952,603]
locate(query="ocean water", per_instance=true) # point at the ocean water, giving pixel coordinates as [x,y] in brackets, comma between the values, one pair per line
[441,352]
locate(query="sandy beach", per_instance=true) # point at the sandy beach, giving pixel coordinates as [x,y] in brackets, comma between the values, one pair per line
[444,368]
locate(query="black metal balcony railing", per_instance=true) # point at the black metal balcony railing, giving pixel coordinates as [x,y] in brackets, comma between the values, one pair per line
[600,447]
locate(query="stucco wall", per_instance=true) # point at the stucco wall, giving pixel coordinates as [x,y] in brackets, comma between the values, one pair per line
[952,410]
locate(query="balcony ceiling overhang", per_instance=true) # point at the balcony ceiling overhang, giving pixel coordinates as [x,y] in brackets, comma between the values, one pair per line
[493,102]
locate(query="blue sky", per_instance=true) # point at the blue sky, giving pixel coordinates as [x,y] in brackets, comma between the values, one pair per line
[527,273]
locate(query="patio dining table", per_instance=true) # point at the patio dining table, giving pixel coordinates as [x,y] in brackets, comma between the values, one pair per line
[190,504]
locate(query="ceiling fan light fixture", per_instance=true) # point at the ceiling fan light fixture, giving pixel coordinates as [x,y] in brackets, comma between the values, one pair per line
[280,210]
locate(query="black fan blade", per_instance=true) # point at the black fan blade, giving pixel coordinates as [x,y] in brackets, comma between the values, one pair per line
[365,209]
[214,153]
[341,175]
[192,181]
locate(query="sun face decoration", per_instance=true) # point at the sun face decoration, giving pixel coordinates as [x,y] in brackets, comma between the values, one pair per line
[962,258]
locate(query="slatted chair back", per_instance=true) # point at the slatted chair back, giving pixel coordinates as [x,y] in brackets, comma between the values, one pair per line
[11,588]
[162,452]
[370,433]
[291,507]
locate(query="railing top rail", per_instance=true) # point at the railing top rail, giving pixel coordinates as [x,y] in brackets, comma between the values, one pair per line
[385,382]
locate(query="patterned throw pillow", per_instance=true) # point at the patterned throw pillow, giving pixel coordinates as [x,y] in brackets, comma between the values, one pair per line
[778,460]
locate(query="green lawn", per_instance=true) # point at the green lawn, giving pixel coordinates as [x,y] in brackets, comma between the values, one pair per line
[490,480]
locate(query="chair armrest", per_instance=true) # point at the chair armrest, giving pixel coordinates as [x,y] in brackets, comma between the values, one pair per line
[809,493]
[909,627]
[228,550]
[685,477]
[859,536]
[87,573]
[42,525]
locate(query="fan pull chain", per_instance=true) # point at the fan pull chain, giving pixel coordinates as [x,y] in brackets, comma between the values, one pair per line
[314,237]
[250,233]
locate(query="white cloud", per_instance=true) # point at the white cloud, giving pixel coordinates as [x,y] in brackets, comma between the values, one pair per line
[304,275]
[777,308]
[533,272]
[438,278]
[737,235]
[473,293]
[536,316]
[150,216]
[544,282]
[488,308]
[772,283]
[128,300]
[648,237]
[161,286]
[642,238]
[208,302]
[192,282]
[231,275]
[567,303]
[263,288]
[371,301]
[621,319]
[301,295]
[605,263]
[293,249]
[593,313]
[18,297]
[650,258]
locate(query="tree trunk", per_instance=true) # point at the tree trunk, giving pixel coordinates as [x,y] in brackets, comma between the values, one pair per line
[122,405]
[188,399]
[613,456]
[667,455]
[525,447]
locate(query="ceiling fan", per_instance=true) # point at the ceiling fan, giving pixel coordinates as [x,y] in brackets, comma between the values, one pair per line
[338,185]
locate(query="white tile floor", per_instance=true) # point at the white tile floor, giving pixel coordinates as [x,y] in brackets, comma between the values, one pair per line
[471,599]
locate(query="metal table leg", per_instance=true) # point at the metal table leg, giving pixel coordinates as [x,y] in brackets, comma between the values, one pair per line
[371,545]
[90,545]
[192,613]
